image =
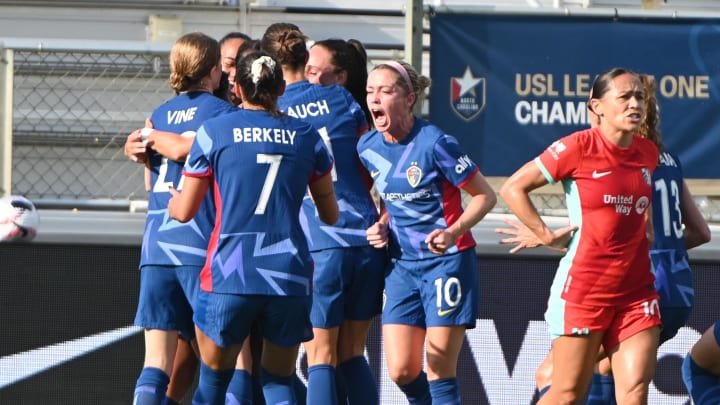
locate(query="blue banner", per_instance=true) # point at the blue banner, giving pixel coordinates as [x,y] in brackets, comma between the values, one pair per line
[508,86]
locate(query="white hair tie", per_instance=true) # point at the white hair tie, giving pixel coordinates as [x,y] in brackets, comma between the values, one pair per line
[256,67]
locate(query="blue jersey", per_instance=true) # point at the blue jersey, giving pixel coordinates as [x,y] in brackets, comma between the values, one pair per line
[166,241]
[673,277]
[340,121]
[261,166]
[420,180]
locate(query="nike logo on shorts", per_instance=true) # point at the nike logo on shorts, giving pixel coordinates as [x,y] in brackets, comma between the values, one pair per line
[443,312]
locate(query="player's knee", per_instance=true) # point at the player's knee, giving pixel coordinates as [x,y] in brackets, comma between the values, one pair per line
[403,375]
[631,392]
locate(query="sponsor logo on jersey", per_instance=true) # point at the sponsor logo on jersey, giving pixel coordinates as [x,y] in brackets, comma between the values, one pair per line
[623,203]
[422,194]
[414,175]
[556,148]
[463,163]
[467,95]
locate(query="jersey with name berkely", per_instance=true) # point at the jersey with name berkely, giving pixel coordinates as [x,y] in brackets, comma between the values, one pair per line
[261,167]
[340,121]
[608,192]
[419,179]
[166,241]
[673,276]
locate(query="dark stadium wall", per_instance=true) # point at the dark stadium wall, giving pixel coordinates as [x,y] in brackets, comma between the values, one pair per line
[66,313]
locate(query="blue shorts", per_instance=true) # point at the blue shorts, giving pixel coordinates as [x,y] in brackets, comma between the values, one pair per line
[167,294]
[440,291]
[672,320]
[347,285]
[227,318]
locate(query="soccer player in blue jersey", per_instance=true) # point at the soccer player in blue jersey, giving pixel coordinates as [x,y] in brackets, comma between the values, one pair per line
[258,163]
[336,61]
[431,284]
[348,278]
[173,253]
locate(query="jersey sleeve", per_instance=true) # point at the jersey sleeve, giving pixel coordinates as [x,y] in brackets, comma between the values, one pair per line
[560,160]
[197,163]
[323,159]
[452,161]
[358,114]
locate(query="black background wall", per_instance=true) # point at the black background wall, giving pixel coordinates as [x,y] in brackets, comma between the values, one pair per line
[54,295]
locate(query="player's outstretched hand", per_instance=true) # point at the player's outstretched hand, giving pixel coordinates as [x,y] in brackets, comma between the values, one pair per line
[520,236]
[523,238]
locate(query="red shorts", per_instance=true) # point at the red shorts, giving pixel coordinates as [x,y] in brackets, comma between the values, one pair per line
[617,322]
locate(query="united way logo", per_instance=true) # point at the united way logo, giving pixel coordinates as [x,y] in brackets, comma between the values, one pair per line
[467,95]
[414,174]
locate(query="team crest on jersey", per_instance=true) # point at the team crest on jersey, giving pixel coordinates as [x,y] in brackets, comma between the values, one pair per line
[414,174]
[646,175]
[467,95]
[642,204]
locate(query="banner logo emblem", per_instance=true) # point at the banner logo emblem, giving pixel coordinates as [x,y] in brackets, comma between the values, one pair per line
[467,95]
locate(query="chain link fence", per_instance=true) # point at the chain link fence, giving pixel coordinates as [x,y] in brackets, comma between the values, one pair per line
[73,108]
[72,111]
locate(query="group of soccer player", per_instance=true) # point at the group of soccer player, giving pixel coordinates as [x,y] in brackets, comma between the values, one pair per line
[261,221]
[262,232]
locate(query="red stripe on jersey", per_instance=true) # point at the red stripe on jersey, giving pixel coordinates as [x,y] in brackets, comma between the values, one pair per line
[315,176]
[197,175]
[452,209]
[206,272]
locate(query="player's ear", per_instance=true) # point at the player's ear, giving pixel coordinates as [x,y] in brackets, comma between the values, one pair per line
[596,107]
[411,97]
[342,77]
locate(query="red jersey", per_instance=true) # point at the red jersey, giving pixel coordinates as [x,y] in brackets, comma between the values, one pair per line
[608,191]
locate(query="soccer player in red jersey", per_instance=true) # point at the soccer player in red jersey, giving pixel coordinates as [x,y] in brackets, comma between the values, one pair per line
[603,293]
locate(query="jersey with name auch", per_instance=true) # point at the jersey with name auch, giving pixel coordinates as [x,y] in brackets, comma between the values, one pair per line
[419,179]
[261,167]
[608,192]
[166,241]
[340,121]
[673,276]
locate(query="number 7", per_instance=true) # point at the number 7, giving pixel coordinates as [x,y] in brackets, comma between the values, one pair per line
[274,162]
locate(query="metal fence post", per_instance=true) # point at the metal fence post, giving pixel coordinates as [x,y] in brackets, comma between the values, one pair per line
[6,119]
